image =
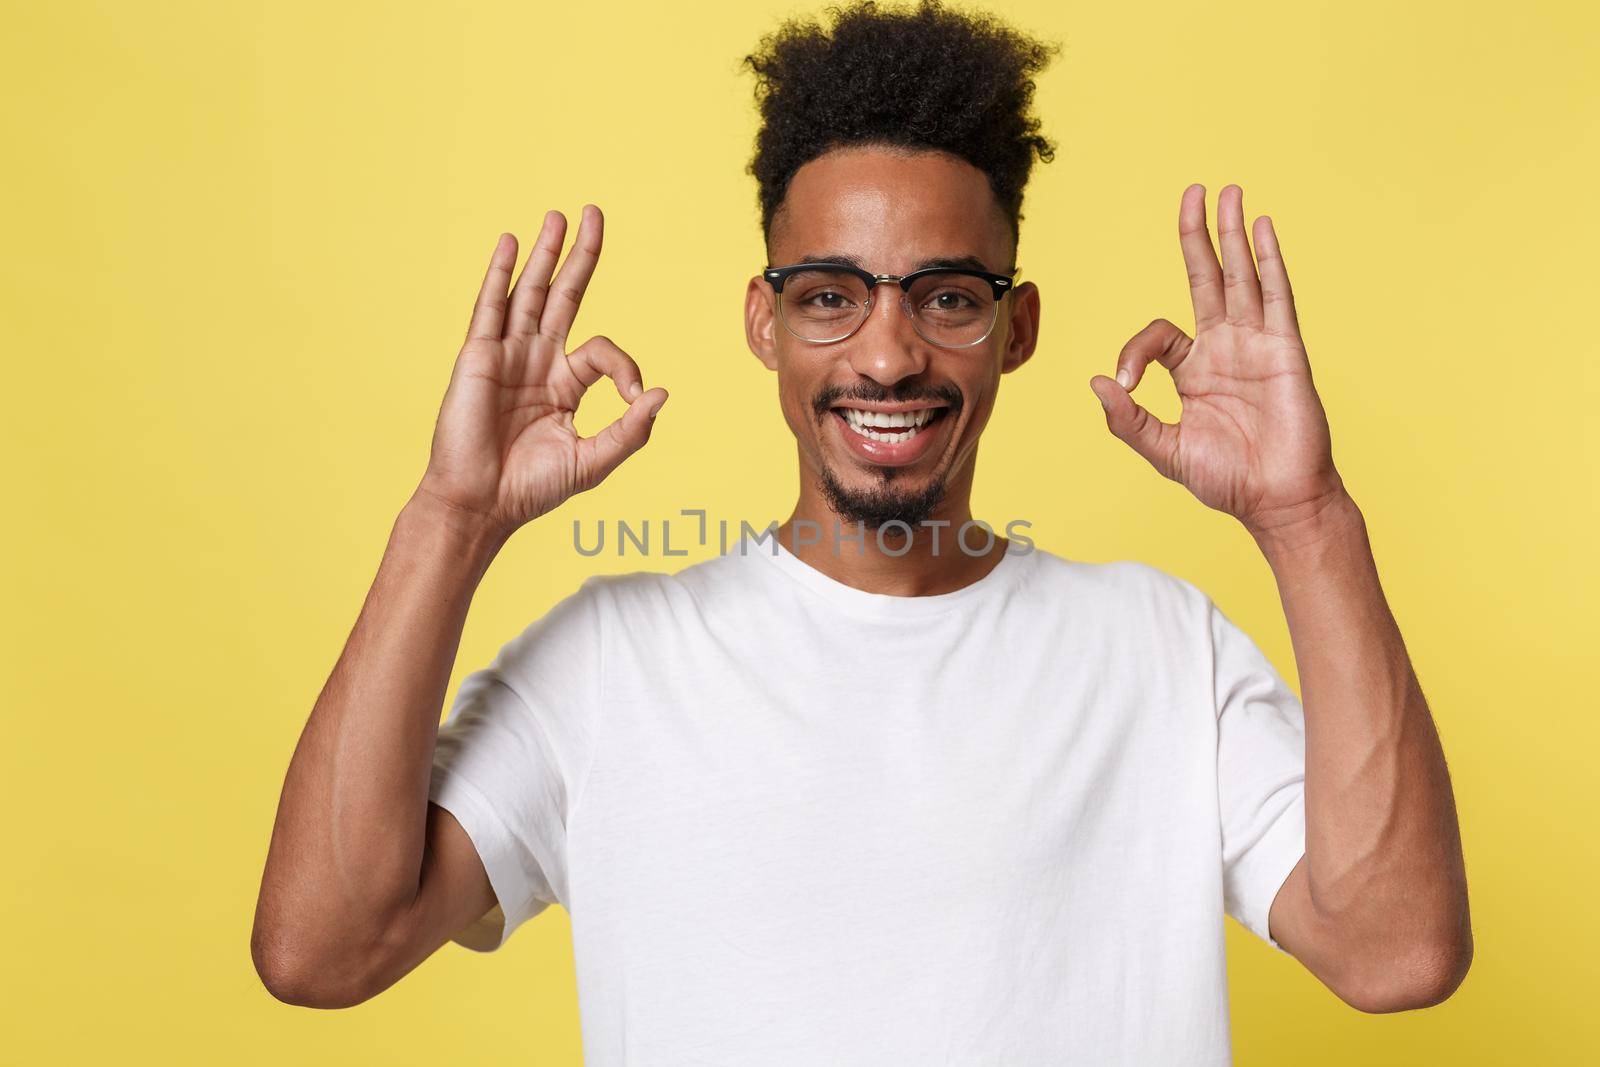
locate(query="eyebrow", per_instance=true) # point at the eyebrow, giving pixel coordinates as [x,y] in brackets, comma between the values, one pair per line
[958,262]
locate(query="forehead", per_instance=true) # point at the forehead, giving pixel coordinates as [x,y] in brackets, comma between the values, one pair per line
[891,210]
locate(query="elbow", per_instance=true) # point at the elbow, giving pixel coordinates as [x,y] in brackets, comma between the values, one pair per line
[302,978]
[1420,977]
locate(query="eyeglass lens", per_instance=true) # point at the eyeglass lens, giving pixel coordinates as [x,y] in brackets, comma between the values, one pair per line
[946,309]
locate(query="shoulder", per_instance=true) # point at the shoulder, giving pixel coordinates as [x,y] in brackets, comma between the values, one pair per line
[1123,582]
[635,591]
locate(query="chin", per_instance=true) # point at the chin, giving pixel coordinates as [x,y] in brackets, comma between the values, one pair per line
[887,495]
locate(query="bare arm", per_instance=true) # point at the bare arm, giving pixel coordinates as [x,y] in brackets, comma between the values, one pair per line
[344,892]
[1377,907]
[364,877]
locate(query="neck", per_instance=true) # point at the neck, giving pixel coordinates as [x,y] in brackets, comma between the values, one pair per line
[931,561]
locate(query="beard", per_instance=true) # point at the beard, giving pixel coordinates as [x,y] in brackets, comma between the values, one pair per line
[888,499]
[882,503]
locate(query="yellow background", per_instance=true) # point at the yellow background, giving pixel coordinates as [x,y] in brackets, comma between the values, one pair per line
[240,245]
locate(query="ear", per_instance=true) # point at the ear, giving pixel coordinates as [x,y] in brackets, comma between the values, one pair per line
[761,321]
[1023,334]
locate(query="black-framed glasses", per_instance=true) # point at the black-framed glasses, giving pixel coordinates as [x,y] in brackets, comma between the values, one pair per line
[952,307]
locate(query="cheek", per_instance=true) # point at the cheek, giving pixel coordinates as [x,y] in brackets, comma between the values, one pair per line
[978,381]
[797,414]
[795,394]
[799,382]
[979,402]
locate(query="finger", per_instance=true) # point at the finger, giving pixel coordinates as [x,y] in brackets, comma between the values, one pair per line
[1160,341]
[1240,287]
[599,455]
[1141,431]
[527,299]
[489,314]
[599,357]
[566,292]
[1200,259]
[1277,297]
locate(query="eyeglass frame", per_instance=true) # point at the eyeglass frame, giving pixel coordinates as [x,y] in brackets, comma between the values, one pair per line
[1000,283]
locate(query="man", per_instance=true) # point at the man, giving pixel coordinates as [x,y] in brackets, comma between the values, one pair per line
[863,796]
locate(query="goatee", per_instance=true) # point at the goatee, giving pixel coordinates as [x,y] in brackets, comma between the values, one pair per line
[883,503]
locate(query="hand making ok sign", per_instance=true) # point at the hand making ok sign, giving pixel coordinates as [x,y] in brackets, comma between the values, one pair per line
[1252,439]
[504,449]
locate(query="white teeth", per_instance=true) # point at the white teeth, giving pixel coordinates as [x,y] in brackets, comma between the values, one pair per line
[866,423]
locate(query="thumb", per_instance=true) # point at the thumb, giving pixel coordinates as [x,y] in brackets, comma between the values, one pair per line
[1141,431]
[601,454]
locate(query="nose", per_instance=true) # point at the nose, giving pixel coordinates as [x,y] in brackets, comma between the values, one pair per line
[887,348]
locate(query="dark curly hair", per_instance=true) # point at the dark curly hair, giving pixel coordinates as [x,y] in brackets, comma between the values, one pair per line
[924,78]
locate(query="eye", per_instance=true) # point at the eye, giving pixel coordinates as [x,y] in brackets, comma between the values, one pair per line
[827,299]
[950,300]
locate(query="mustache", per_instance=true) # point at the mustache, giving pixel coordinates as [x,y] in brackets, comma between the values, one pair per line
[872,392]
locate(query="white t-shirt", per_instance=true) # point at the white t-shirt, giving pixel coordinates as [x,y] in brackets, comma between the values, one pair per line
[794,822]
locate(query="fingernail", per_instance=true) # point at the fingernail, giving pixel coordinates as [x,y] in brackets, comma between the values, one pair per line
[656,410]
[1104,402]
[634,390]
[1124,378]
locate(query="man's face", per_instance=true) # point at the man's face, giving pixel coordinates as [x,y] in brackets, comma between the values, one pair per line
[891,212]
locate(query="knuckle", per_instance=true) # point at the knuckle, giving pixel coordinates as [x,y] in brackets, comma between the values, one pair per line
[476,358]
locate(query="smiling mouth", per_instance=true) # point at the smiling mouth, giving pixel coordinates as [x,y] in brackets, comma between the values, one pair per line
[890,428]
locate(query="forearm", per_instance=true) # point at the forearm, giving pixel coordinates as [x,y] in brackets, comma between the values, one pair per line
[1383,870]
[347,846]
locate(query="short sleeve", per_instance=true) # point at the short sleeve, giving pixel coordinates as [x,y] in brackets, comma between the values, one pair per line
[1260,774]
[513,754]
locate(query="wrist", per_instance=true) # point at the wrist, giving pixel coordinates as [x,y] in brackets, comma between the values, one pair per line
[462,534]
[1330,520]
